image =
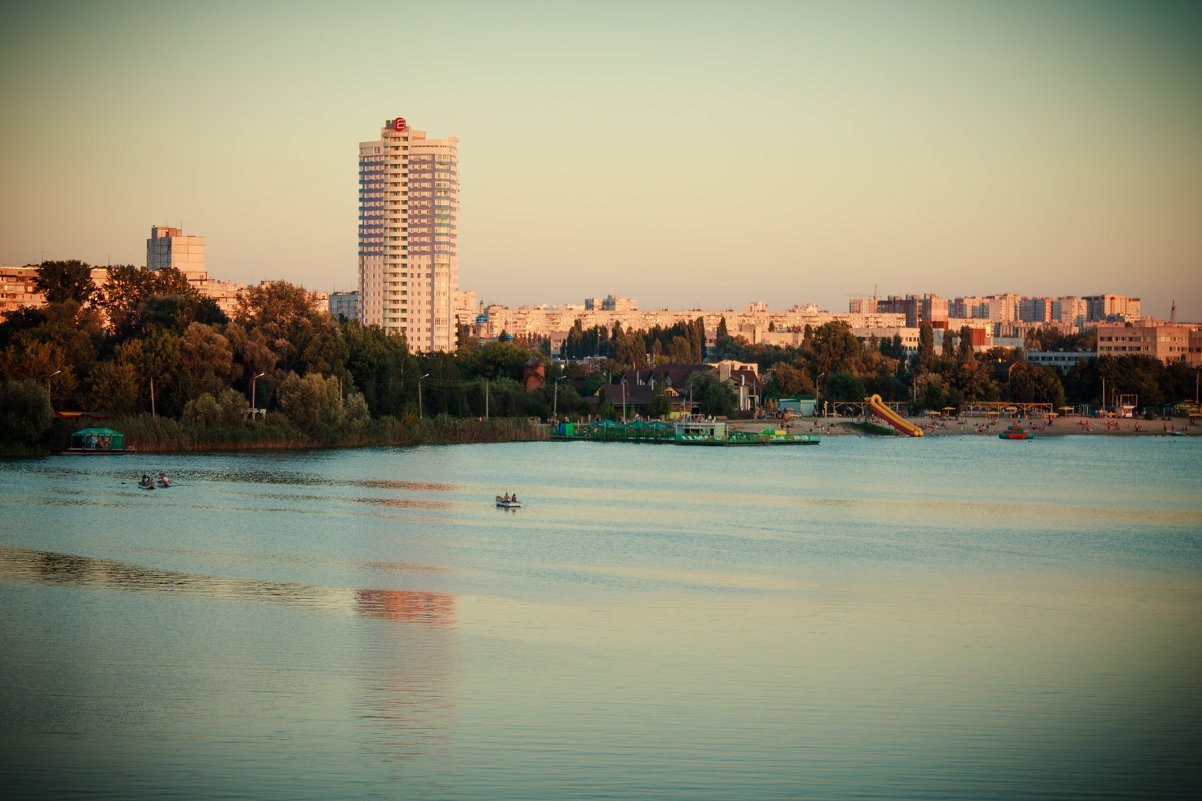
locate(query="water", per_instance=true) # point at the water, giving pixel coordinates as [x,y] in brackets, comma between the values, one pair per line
[943,618]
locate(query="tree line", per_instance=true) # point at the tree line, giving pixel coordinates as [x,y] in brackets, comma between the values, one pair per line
[145,343]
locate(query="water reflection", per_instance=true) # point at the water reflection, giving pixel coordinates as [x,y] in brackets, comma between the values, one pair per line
[47,567]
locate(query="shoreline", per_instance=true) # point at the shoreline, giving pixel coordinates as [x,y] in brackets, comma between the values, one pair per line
[980,426]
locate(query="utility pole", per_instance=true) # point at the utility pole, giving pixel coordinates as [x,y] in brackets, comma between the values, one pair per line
[555,405]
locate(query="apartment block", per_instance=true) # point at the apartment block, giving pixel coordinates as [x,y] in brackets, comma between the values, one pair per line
[344,304]
[168,247]
[409,235]
[16,288]
[930,309]
[1106,308]
[1169,342]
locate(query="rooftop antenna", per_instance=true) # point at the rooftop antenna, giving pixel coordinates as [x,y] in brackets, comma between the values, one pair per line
[1173,312]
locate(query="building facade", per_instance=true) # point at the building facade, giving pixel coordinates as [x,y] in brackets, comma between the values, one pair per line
[168,247]
[17,288]
[1169,342]
[1104,308]
[344,304]
[409,235]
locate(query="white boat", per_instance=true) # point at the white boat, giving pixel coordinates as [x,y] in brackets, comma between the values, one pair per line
[506,503]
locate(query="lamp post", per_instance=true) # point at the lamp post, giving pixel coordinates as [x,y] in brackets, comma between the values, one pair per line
[52,375]
[420,413]
[817,392]
[254,410]
[555,404]
[623,400]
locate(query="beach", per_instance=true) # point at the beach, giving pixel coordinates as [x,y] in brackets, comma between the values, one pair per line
[984,426]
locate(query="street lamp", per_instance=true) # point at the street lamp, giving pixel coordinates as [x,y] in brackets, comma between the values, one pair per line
[555,405]
[52,375]
[420,414]
[817,392]
[254,410]
[623,400]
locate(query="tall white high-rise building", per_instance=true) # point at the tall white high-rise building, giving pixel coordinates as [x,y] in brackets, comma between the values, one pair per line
[409,235]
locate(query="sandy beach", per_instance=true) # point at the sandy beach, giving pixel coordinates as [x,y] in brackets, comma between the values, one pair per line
[1060,426]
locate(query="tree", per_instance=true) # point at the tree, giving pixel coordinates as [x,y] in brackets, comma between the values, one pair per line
[833,348]
[228,408]
[964,351]
[127,287]
[177,312]
[787,381]
[660,403]
[61,281]
[25,413]
[948,351]
[844,387]
[311,402]
[114,388]
[926,346]
[382,368]
[44,363]
[206,357]
[306,339]
[722,330]
[711,395]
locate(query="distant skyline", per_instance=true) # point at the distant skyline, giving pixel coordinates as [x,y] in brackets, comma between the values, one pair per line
[687,154]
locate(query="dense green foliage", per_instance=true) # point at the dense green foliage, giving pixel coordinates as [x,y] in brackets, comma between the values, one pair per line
[173,368]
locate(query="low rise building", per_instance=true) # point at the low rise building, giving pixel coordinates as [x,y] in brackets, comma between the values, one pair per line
[1169,342]
[1065,360]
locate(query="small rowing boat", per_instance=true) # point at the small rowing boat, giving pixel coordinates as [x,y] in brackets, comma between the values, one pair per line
[508,503]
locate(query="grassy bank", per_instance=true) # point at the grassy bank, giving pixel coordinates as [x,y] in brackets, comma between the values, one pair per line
[165,435]
[872,429]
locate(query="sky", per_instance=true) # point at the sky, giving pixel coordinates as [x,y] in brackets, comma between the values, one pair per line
[687,154]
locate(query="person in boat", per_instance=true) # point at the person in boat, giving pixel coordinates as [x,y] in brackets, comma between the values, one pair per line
[163,479]
[507,497]
[514,498]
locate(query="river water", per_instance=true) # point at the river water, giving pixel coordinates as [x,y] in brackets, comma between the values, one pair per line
[945,618]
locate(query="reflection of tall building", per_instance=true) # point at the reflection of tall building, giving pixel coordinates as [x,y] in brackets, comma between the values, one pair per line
[168,247]
[408,606]
[409,235]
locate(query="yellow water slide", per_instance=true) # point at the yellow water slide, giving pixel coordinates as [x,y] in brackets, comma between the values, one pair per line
[891,417]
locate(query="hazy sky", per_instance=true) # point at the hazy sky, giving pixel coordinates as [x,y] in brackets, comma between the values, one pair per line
[688,154]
